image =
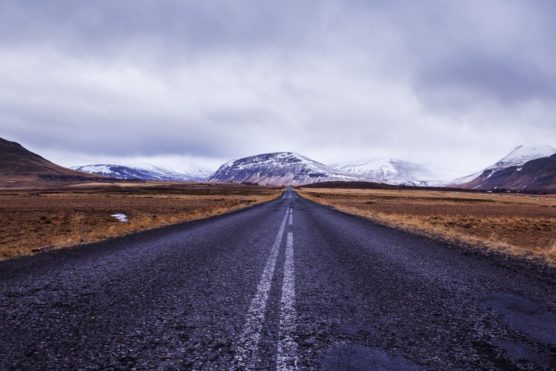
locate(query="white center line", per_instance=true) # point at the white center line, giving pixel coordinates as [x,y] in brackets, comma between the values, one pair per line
[287,347]
[291,217]
[248,345]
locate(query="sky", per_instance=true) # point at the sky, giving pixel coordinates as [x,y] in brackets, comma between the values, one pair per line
[178,83]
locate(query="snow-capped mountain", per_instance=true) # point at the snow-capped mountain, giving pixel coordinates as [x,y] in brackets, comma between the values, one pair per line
[277,169]
[387,170]
[524,168]
[137,173]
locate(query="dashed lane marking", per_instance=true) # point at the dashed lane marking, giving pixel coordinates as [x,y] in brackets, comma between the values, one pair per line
[291,217]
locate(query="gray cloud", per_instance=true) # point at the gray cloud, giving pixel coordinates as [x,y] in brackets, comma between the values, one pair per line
[457,83]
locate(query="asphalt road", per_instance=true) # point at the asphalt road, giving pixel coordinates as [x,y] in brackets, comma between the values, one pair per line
[288,284]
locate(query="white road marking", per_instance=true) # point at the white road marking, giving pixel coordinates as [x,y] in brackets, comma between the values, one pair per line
[291,217]
[287,347]
[248,344]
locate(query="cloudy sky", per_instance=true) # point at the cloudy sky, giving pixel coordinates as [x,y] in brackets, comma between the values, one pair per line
[453,84]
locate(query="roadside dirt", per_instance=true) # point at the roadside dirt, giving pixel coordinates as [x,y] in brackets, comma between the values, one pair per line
[48,219]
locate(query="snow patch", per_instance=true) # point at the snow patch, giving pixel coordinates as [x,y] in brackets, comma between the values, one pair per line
[120,217]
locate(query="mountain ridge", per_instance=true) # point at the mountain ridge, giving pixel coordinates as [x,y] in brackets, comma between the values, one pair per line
[389,171]
[525,168]
[136,172]
[276,168]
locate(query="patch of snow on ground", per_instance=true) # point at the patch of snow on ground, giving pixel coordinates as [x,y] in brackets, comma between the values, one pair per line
[121,217]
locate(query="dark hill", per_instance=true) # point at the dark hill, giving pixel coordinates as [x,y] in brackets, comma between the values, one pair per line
[537,175]
[19,164]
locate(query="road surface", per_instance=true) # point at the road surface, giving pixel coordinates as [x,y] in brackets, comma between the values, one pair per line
[285,285]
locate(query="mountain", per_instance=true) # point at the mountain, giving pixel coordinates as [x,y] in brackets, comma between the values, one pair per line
[387,170]
[277,169]
[523,169]
[137,173]
[19,164]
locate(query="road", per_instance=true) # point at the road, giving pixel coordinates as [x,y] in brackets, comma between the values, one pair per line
[285,285]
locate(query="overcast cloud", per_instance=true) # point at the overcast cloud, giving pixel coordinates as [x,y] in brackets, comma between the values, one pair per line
[454,84]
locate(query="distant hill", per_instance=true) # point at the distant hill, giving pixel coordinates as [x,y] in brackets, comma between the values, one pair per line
[523,169]
[389,171]
[137,173]
[20,164]
[277,169]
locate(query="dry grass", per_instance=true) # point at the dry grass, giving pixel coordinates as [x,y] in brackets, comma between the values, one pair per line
[40,220]
[521,225]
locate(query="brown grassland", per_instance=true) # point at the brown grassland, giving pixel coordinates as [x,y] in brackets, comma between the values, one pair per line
[54,218]
[515,224]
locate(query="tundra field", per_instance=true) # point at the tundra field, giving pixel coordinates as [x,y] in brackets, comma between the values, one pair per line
[514,224]
[46,219]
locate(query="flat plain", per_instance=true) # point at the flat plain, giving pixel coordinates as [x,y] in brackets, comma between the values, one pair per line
[35,220]
[515,224]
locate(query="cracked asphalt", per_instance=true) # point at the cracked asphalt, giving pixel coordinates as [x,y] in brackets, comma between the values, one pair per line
[341,293]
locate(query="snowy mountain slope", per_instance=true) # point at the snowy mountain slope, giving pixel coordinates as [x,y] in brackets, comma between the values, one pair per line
[187,170]
[524,168]
[387,170]
[136,173]
[523,154]
[277,169]
[459,181]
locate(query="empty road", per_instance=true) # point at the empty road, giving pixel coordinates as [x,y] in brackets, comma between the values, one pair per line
[285,285]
